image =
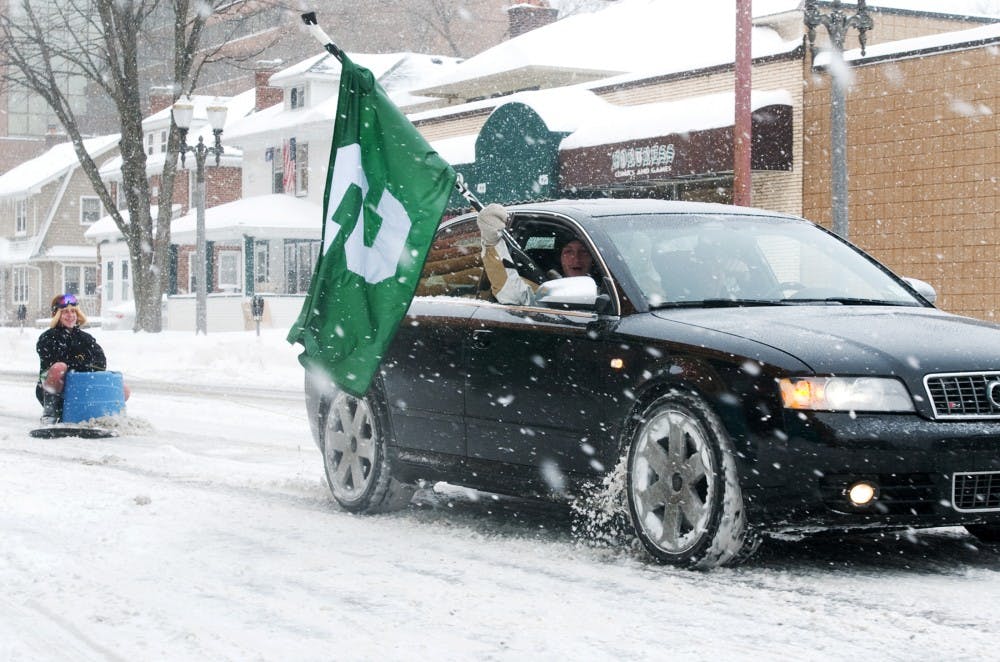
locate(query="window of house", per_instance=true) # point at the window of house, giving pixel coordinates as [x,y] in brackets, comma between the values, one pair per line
[149,143]
[126,291]
[261,262]
[192,272]
[81,281]
[297,97]
[19,281]
[90,281]
[229,270]
[21,218]
[163,141]
[109,280]
[90,209]
[300,258]
[301,169]
[277,172]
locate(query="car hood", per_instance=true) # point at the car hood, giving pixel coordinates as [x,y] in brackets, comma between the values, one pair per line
[859,339]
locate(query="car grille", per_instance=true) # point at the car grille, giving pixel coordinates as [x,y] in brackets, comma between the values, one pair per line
[979,491]
[964,395]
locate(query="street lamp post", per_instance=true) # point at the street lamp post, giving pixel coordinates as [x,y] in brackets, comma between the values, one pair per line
[183,112]
[837,24]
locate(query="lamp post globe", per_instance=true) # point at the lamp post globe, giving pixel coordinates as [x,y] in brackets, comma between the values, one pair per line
[183,114]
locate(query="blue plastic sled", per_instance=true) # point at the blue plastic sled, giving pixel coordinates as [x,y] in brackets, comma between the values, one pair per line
[87,395]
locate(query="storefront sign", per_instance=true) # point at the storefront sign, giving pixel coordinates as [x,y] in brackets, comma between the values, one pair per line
[705,153]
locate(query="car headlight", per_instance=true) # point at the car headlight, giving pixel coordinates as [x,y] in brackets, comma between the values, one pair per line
[845,394]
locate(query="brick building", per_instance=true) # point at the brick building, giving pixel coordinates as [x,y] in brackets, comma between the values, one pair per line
[923,162]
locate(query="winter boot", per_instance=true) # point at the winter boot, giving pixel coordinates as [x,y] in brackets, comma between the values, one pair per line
[51,408]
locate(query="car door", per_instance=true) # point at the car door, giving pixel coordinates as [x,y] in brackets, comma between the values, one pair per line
[540,387]
[424,370]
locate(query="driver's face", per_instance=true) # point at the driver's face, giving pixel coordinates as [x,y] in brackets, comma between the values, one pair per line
[575,259]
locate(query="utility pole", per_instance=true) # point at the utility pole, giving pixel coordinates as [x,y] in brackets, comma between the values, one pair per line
[837,24]
[743,125]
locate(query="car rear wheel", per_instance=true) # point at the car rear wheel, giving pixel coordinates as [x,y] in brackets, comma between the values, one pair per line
[989,533]
[358,470]
[683,490]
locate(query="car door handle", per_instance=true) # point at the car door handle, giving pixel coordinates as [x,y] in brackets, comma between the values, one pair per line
[481,339]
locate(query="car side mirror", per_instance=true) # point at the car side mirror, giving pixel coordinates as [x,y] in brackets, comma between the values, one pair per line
[573,292]
[923,288]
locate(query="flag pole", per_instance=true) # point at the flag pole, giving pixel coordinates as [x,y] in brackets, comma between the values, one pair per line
[309,18]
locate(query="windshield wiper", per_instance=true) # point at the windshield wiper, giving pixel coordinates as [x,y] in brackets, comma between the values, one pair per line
[720,303]
[850,301]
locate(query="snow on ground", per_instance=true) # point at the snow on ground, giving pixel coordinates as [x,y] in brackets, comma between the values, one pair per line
[207,533]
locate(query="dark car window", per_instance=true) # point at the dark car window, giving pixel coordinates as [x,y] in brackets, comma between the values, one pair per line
[687,259]
[454,265]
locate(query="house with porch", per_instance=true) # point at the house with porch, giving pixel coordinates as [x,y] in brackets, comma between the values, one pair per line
[223,183]
[46,206]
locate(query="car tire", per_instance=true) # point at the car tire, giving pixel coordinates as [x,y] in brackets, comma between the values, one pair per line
[358,470]
[683,490]
[988,533]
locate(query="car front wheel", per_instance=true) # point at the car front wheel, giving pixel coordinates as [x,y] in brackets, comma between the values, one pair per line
[358,470]
[683,490]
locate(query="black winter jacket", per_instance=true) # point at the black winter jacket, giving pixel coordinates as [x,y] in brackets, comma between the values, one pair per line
[74,347]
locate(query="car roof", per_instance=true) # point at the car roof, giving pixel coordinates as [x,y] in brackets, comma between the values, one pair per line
[600,207]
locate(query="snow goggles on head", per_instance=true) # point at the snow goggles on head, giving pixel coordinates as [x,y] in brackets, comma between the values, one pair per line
[63,301]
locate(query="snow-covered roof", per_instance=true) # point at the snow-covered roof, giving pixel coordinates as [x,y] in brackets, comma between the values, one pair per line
[67,252]
[237,107]
[627,36]
[457,149]
[15,252]
[29,177]
[105,228]
[395,72]
[326,65]
[620,123]
[272,216]
[972,37]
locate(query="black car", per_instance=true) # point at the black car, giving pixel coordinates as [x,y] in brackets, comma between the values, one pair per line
[741,372]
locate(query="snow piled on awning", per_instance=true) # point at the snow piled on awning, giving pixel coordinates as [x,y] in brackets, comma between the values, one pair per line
[621,123]
[273,216]
[65,253]
[105,229]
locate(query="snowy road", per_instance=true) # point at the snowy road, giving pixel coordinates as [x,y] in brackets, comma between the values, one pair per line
[206,532]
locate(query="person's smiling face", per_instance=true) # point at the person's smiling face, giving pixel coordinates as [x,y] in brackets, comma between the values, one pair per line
[68,317]
[575,259]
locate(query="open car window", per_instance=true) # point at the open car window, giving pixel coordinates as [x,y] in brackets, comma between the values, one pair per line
[454,265]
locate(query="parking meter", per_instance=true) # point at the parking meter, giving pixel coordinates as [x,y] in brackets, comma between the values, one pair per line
[257,310]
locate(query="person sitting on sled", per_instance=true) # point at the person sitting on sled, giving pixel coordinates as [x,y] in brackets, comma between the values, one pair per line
[63,347]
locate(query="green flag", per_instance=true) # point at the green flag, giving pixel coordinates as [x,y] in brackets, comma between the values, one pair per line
[386,190]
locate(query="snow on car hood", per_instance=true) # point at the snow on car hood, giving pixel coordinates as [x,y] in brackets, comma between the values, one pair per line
[859,339]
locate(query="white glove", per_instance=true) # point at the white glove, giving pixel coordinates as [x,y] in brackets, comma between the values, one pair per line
[491,220]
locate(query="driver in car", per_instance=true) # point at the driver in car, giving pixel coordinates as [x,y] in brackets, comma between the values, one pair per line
[506,284]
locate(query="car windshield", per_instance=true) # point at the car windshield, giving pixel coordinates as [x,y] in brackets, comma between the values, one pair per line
[722,260]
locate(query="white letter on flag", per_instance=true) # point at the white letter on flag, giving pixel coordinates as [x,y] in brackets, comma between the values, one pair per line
[380,261]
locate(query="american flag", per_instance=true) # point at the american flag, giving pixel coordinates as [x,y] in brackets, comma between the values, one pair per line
[288,156]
